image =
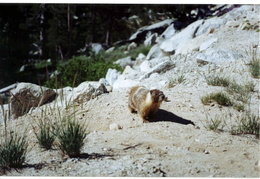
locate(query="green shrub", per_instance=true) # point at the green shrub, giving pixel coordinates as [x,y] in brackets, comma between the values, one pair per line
[214,124]
[176,80]
[217,81]
[13,151]
[240,92]
[248,124]
[45,135]
[220,98]
[80,69]
[254,67]
[71,138]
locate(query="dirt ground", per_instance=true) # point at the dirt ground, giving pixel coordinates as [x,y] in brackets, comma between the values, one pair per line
[175,144]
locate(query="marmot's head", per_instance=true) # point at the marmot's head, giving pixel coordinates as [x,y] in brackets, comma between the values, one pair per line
[157,95]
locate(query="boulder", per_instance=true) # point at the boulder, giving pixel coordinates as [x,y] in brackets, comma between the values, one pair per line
[157,27]
[81,93]
[111,49]
[112,76]
[154,52]
[145,66]
[218,56]
[151,40]
[131,46]
[160,68]
[123,62]
[96,47]
[122,83]
[27,95]
[212,23]
[139,59]
[172,45]
[207,44]
[169,32]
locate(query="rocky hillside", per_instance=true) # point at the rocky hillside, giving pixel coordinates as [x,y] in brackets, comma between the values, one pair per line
[188,136]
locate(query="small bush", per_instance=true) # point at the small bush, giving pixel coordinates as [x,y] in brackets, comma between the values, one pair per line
[220,98]
[240,92]
[13,151]
[248,124]
[176,80]
[254,67]
[71,138]
[214,124]
[45,135]
[80,69]
[217,81]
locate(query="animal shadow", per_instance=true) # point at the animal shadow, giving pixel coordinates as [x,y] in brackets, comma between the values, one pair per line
[163,115]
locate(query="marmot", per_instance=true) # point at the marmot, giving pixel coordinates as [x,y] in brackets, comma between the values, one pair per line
[144,101]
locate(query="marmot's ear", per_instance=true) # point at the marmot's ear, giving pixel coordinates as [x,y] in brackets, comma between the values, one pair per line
[151,91]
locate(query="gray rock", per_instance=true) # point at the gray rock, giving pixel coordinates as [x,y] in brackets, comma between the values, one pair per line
[172,45]
[131,46]
[152,27]
[160,68]
[207,44]
[84,92]
[122,83]
[28,95]
[112,76]
[151,40]
[169,32]
[111,49]
[154,52]
[218,56]
[96,47]
[214,23]
[114,126]
[123,62]
[145,66]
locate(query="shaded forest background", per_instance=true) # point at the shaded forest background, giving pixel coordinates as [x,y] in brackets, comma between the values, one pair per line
[31,33]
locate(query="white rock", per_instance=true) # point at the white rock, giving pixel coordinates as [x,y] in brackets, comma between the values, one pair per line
[123,62]
[160,68]
[112,76]
[207,44]
[219,56]
[124,84]
[111,49]
[164,23]
[145,66]
[154,52]
[214,23]
[131,46]
[96,47]
[140,56]
[151,40]
[169,32]
[128,70]
[114,126]
[172,45]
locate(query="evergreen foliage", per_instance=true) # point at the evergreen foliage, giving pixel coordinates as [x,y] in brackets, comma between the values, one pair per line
[33,32]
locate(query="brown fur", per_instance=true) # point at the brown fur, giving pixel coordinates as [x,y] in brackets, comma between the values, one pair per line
[145,102]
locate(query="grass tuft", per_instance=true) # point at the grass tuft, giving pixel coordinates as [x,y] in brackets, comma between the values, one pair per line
[45,136]
[218,81]
[220,98]
[13,151]
[248,124]
[71,138]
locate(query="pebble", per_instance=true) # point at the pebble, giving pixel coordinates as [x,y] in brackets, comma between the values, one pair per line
[114,126]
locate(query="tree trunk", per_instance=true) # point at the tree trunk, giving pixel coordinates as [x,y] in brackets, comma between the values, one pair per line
[69,29]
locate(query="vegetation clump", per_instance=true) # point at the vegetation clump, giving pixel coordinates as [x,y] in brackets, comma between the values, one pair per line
[71,138]
[220,98]
[45,136]
[13,151]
